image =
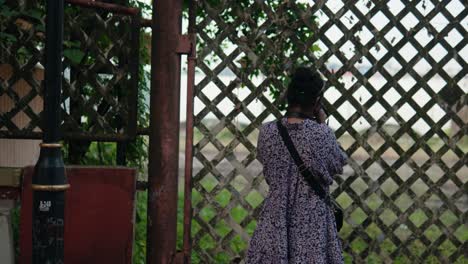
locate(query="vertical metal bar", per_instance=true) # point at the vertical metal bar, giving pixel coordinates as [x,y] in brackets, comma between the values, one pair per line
[134,64]
[164,132]
[74,146]
[53,70]
[132,98]
[121,157]
[49,180]
[187,244]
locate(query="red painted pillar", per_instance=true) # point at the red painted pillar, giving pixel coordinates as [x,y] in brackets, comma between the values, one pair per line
[164,131]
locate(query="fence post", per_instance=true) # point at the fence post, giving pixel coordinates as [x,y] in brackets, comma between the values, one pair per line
[164,132]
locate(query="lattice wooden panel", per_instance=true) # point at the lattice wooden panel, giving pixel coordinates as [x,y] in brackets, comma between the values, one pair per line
[397,80]
[100,80]
[20,77]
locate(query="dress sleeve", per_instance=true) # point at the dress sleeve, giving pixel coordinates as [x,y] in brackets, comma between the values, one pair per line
[337,158]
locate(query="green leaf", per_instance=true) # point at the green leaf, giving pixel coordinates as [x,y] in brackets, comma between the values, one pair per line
[7,37]
[71,44]
[7,12]
[33,13]
[315,48]
[36,14]
[104,41]
[40,27]
[74,55]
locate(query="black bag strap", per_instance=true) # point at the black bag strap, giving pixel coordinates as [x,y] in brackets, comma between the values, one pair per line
[306,173]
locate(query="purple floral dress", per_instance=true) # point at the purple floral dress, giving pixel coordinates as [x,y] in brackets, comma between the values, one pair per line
[295,225]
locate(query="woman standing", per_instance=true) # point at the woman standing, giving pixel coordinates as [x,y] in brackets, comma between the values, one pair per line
[295,224]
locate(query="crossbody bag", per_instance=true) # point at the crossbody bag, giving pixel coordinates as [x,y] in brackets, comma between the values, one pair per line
[309,177]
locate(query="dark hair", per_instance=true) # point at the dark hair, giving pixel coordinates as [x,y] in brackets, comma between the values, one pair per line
[305,87]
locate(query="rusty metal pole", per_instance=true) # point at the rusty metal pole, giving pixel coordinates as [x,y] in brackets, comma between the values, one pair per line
[187,243]
[164,132]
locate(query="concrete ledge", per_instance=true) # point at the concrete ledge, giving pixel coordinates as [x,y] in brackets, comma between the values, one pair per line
[10,177]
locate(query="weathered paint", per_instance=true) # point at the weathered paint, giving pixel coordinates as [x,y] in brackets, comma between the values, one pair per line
[164,132]
[187,240]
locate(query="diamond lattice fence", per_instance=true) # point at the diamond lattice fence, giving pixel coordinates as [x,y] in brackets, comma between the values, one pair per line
[397,84]
[100,81]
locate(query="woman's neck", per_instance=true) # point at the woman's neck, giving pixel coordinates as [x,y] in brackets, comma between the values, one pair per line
[297,109]
[298,116]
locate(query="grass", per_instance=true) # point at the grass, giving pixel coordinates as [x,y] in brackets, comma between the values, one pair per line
[389,252]
[354,220]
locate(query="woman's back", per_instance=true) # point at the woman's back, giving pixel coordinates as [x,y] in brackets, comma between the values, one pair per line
[295,225]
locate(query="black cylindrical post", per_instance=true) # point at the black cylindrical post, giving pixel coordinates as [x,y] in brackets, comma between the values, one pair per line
[49,181]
